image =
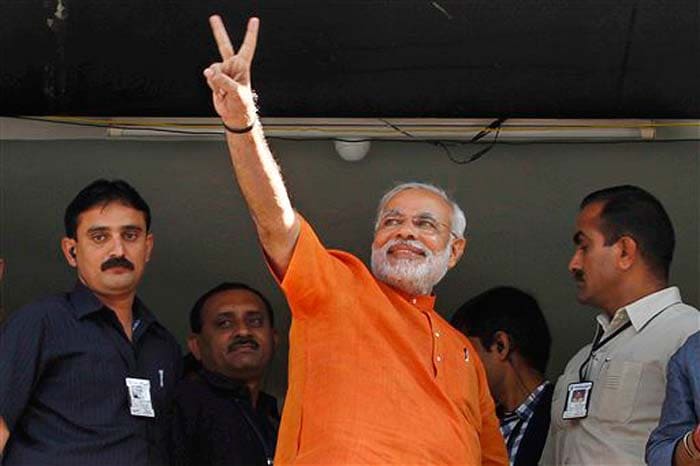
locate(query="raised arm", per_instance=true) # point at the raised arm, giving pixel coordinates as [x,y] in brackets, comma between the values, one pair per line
[256,171]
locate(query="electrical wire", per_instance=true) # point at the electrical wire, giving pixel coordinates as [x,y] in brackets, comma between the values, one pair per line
[445,144]
[422,125]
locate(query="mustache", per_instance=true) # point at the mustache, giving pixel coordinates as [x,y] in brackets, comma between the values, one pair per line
[578,275]
[241,341]
[113,262]
[414,243]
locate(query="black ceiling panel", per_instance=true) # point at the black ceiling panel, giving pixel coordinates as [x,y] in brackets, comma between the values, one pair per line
[407,58]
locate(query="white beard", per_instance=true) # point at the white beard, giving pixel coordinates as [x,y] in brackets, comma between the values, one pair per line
[414,276]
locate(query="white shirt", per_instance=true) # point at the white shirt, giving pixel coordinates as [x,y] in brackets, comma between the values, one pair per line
[629,378]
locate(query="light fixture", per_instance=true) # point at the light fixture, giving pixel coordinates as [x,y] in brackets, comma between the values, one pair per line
[347,129]
[352,150]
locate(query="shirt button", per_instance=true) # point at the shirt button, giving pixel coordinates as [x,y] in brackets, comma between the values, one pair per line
[414,300]
[437,334]
[439,358]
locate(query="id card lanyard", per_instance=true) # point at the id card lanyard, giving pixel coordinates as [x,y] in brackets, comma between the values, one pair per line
[578,396]
[598,343]
[269,451]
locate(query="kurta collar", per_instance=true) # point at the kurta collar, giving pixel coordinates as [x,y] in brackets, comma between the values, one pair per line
[423,302]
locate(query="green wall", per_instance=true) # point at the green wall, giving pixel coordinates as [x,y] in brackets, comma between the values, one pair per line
[520,202]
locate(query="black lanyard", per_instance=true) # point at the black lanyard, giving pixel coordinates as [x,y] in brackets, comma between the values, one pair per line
[267,448]
[599,343]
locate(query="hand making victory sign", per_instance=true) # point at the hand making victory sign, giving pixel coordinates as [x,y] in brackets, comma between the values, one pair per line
[254,167]
[229,79]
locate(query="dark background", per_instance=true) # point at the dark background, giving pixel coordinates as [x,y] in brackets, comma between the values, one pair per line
[358,58]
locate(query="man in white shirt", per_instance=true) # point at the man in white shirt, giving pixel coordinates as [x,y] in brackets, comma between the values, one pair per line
[609,398]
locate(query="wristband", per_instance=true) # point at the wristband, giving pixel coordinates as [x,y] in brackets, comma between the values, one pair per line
[239,130]
[691,452]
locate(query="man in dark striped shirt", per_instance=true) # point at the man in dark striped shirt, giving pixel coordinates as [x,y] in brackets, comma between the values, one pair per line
[86,377]
[508,329]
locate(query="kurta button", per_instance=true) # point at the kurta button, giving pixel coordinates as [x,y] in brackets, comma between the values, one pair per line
[439,358]
[414,300]
[437,334]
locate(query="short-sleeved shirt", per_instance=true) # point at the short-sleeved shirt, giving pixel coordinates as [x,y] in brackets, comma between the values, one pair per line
[64,362]
[377,377]
[629,379]
[681,409]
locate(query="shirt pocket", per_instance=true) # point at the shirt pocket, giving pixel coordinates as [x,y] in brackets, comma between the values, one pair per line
[617,391]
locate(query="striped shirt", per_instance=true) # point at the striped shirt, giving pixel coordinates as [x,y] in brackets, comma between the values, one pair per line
[514,423]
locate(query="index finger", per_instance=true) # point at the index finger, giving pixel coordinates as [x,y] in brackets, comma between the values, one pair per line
[221,37]
[250,40]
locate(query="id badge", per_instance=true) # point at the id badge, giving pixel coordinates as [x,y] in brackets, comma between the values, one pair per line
[140,397]
[578,397]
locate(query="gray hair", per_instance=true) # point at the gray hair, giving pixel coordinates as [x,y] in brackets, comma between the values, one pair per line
[458,221]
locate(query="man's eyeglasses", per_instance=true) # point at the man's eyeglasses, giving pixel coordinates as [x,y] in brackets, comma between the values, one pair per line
[425,224]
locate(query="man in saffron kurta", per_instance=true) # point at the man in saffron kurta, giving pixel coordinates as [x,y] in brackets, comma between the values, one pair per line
[376,375]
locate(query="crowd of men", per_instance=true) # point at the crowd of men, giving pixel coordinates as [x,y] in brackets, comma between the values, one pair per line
[376,374]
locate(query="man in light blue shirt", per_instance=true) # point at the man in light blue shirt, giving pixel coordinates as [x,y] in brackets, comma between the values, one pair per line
[671,443]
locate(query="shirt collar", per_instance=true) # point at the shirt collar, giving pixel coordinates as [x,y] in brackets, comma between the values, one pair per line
[85,303]
[641,311]
[267,404]
[526,408]
[222,382]
[607,324]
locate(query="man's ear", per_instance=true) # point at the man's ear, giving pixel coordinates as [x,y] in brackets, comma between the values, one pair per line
[457,248]
[627,252]
[68,249]
[193,345]
[502,345]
